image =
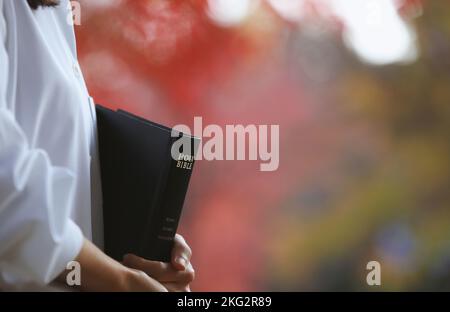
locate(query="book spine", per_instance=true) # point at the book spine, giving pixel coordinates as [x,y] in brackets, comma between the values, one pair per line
[168,209]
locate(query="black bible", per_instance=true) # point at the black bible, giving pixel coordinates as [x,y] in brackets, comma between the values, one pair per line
[144,183]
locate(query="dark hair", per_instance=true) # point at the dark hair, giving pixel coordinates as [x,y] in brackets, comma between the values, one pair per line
[34,4]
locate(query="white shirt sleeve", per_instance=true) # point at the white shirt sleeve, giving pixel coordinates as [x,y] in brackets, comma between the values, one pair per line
[37,236]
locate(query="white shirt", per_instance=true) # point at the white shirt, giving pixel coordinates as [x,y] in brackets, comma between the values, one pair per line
[47,140]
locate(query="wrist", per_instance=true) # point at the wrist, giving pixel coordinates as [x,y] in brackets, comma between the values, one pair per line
[136,280]
[123,279]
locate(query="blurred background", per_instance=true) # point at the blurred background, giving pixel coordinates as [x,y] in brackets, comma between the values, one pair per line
[361,91]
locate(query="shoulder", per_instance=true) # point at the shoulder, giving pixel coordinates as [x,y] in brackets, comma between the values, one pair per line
[51,26]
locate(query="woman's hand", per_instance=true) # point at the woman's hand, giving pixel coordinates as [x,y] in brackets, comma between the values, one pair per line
[175,276]
[102,273]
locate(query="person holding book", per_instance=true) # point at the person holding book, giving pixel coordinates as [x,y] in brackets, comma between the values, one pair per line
[50,186]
